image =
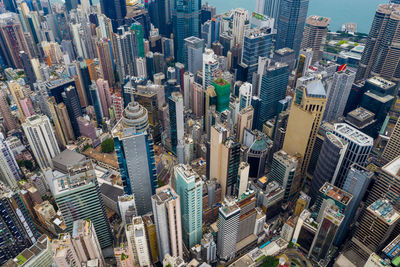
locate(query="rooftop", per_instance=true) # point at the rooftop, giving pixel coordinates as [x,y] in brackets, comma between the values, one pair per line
[393,248]
[336,193]
[361,114]
[353,134]
[384,210]
[318,21]
[381,82]
[315,89]
[393,167]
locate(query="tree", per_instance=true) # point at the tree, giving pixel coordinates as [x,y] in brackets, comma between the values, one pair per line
[270,261]
[107,146]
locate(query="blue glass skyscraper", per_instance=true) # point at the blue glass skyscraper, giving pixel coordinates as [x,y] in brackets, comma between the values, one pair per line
[291,20]
[135,154]
[186,23]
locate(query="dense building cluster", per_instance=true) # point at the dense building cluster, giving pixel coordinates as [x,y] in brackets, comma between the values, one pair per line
[160,133]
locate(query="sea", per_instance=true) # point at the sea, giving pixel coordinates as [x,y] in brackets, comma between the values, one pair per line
[360,12]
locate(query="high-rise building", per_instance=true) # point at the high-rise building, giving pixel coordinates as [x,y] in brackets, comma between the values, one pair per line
[71,100]
[176,123]
[257,43]
[167,218]
[105,57]
[210,67]
[304,120]
[137,242]
[314,36]
[97,107]
[41,139]
[30,76]
[64,251]
[114,10]
[291,21]
[186,23]
[382,37]
[223,93]
[77,195]
[329,162]
[134,147]
[338,94]
[105,96]
[17,93]
[245,94]
[85,241]
[62,123]
[10,173]
[18,231]
[244,121]
[359,147]
[194,48]
[228,229]
[273,88]
[9,121]
[240,16]
[189,187]
[392,148]
[284,171]
[270,8]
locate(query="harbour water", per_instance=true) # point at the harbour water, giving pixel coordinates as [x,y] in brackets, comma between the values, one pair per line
[340,11]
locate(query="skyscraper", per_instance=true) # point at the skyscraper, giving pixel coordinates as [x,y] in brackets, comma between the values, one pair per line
[194,48]
[134,147]
[304,120]
[167,218]
[105,96]
[114,10]
[9,121]
[380,57]
[270,8]
[338,94]
[245,121]
[240,16]
[18,231]
[228,229]
[10,173]
[257,43]
[176,123]
[62,124]
[210,67]
[314,36]
[186,23]
[291,21]
[77,195]
[41,139]
[392,149]
[106,61]
[359,147]
[329,162]
[273,88]
[71,100]
[30,76]
[137,242]
[223,92]
[98,110]
[189,187]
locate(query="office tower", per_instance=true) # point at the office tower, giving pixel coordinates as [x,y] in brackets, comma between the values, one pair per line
[243,178]
[27,107]
[41,139]
[141,71]
[137,243]
[126,208]
[62,124]
[329,162]
[132,139]
[71,100]
[10,173]
[240,16]
[105,96]
[125,46]
[98,110]
[291,21]
[375,226]
[39,254]
[304,120]
[257,43]
[188,80]
[14,40]
[77,195]
[314,36]
[338,94]
[327,230]
[244,121]
[17,94]
[210,67]
[284,170]
[302,203]
[18,231]
[114,10]
[138,29]
[245,94]
[64,251]
[359,147]
[167,218]
[269,8]
[189,187]
[175,103]
[151,234]
[9,121]
[30,76]
[105,58]
[273,87]
[85,241]
[392,149]
[382,37]
[228,229]
[197,100]
[186,23]
[223,93]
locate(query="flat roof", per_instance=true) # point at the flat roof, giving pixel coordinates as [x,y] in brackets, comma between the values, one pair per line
[336,193]
[393,167]
[353,134]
